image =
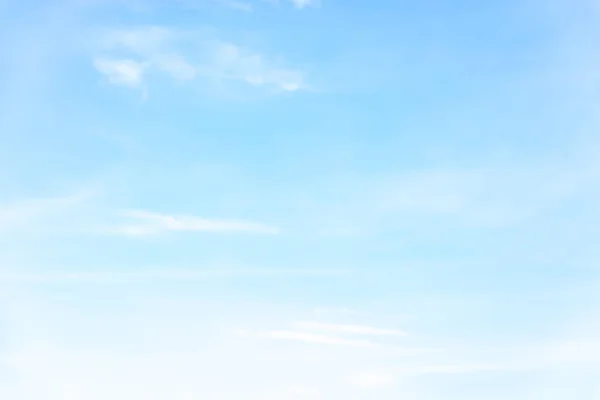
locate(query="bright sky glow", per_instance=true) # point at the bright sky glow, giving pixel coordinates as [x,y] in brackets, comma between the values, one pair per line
[299,200]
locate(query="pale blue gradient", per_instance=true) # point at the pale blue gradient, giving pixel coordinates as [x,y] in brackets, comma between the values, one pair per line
[185,184]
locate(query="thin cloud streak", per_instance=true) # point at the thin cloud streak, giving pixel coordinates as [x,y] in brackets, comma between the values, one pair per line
[160,275]
[151,223]
[314,338]
[158,50]
[348,329]
[300,4]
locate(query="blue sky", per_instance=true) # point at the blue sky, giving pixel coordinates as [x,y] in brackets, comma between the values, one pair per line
[299,199]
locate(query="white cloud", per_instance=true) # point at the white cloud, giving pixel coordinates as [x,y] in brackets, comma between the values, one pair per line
[200,5]
[306,3]
[121,72]
[326,333]
[58,348]
[143,41]
[348,329]
[150,223]
[235,63]
[314,338]
[171,274]
[160,50]
[489,196]
[176,66]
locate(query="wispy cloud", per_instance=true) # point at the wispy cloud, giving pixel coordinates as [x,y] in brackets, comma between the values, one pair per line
[327,334]
[231,62]
[314,338]
[488,196]
[306,3]
[151,223]
[201,5]
[170,274]
[176,66]
[348,329]
[121,72]
[326,366]
[159,50]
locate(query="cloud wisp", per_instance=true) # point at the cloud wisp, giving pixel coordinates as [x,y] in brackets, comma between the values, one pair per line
[159,50]
[300,4]
[326,334]
[492,196]
[348,329]
[160,275]
[146,223]
[308,338]
[126,72]
[315,338]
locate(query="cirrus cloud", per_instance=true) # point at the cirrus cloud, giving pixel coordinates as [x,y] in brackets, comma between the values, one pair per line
[159,50]
[145,223]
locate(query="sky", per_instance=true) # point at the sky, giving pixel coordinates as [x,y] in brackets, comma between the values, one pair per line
[299,200]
